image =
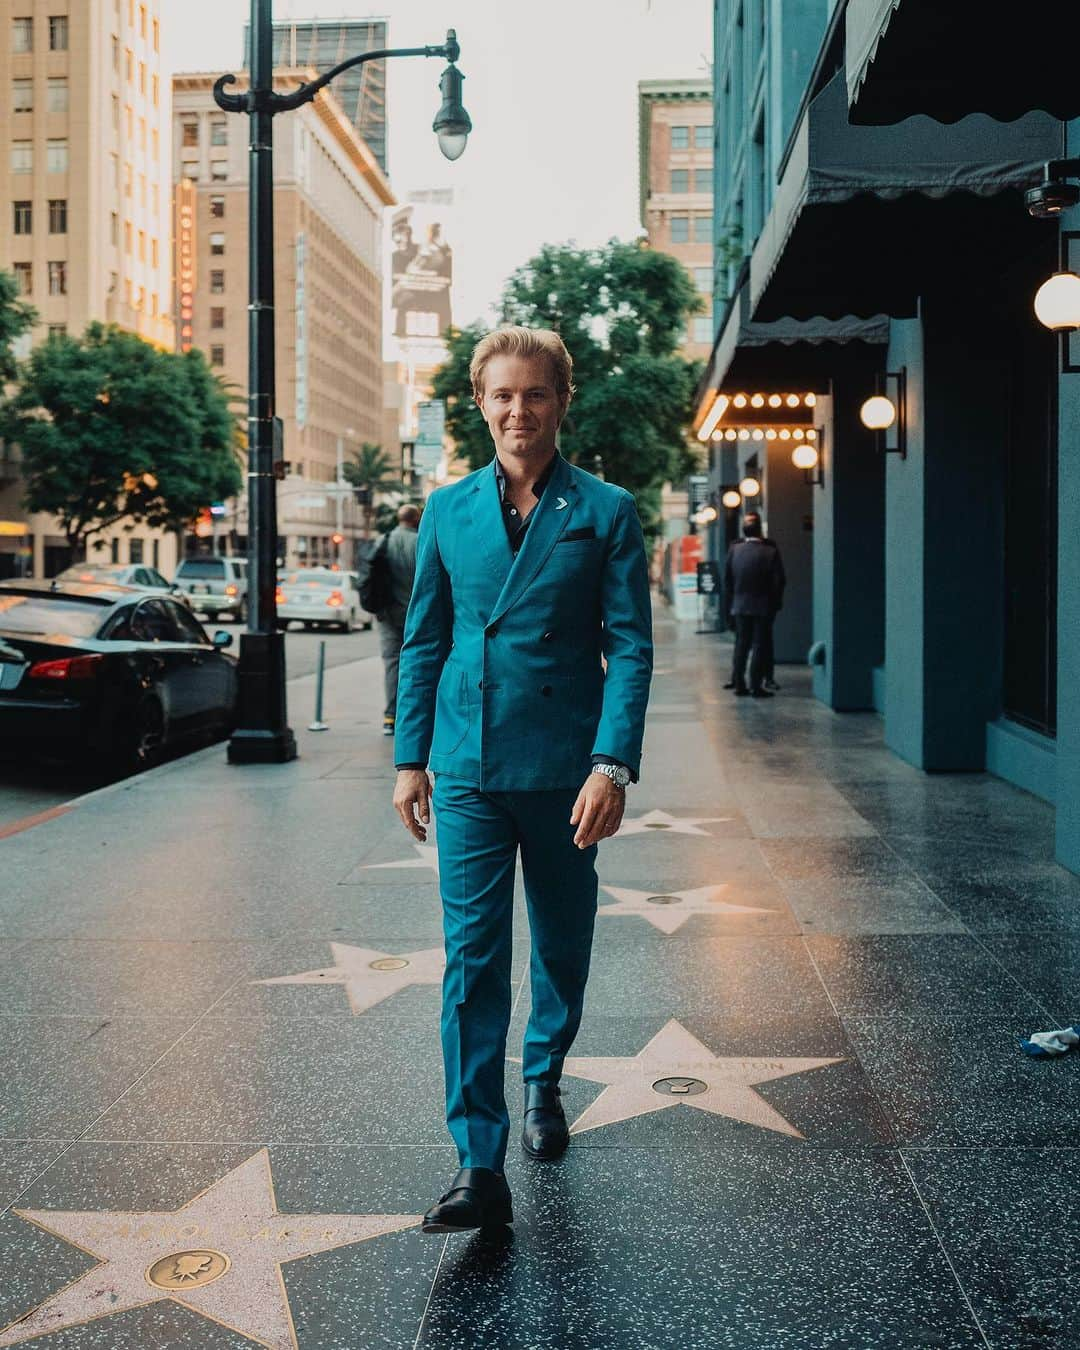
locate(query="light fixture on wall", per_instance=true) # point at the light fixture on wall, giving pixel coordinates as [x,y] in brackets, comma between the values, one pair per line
[731,500]
[1057,302]
[885,412]
[806,456]
[749,487]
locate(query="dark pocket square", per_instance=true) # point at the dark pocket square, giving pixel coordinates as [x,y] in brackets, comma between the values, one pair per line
[586,532]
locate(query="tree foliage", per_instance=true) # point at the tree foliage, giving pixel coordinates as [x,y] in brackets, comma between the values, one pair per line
[621,310]
[112,429]
[16,318]
[372,472]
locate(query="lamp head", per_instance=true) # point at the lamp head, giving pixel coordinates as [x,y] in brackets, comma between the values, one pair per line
[1050,198]
[878,413]
[1057,302]
[452,124]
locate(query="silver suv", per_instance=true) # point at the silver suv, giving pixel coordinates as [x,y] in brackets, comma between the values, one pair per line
[215,586]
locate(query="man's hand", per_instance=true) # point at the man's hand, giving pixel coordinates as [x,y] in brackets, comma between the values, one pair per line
[598,811]
[412,801]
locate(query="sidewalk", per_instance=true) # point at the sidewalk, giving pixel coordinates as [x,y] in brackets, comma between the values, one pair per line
[802,1117]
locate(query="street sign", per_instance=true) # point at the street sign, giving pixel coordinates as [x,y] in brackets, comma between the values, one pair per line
[431,428]
[697,491]
[708,577]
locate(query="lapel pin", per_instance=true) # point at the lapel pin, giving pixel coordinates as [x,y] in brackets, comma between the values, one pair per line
[560,502]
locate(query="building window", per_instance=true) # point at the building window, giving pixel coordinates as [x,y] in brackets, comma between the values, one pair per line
[217,207]
[135,546]
[142,245]
[219,132]
[703,279]
[219,170]
[217,356]
[153,304]
[56,156]
[22,35]
[153,252]
[703,229]
[127,180]
[57,330]
[129,120]
[680,138]
[58,33]
[703,137]
[155,544]
[114,550]
[116,53]
[680,229]
[702,328]
[142,22]
[217,245]
[190,133]
[142,77]
[217,282]
[24,217]
[115,113]
[58,94]
[58,278]
[116,172]
[114,228]
[142,134]
[217,317]
[157,34]
[128,236]
[680,180]
[24,278]
[155,144]
[154,78]
[58,215]
[129,64]
[22,96]
[22,157]
[703,180]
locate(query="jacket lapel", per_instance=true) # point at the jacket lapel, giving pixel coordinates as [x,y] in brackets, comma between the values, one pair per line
[549,519]
[488,526]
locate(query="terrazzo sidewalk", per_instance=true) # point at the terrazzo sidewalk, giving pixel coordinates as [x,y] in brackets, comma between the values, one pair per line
[801,1117]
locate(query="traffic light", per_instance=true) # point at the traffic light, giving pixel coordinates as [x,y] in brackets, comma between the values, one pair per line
[337,538]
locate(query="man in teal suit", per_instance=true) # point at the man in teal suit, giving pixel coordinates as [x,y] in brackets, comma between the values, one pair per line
[523,685]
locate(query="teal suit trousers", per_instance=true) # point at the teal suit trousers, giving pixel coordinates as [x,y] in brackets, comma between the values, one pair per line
[479,835]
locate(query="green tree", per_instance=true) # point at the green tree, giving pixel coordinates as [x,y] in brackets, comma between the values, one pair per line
[112,429]
[371,472]
[16,318]
[622,311]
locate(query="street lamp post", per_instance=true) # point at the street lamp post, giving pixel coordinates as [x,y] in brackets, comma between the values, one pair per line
[263,735]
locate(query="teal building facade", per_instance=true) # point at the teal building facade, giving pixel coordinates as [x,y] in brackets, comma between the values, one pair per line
[871,237]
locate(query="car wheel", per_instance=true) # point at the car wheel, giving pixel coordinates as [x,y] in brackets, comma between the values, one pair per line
[142,743]
[345,626]
[308,627]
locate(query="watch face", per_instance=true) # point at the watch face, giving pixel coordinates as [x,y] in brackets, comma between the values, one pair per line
[622,776]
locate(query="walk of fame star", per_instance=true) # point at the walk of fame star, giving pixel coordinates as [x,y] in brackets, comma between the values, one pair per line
[368,975]
[660,822]
[675,1069]
[219,1255]
[427,855]
[669,910]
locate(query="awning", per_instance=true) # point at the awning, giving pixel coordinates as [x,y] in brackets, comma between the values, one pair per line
[865,219]
[949,58]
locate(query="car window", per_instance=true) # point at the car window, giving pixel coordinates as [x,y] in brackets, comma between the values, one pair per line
[198,568]
[46,614]
[156,579]
[191,630]
[119,628]
[152,622]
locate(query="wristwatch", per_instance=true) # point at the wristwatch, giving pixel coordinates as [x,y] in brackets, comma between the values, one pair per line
[618,773]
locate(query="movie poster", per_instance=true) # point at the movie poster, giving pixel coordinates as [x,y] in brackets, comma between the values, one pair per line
[421,266]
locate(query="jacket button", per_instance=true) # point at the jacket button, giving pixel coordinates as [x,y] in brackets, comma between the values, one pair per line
[493,631]
[548,637]
[480,685]
[546,691]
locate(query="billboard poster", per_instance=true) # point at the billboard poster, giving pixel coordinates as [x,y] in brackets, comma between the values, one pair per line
[431,428]
[421,266]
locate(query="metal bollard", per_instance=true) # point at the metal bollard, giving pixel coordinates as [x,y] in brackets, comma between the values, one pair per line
[319,724]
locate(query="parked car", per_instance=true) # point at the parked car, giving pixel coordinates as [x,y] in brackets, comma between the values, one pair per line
[137,575]
[107,673]
[215,586]
[319,597]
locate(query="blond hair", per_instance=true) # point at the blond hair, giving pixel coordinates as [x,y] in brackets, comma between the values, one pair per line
[526,342]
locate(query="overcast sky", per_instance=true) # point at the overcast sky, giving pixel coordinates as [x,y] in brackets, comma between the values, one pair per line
[551,87]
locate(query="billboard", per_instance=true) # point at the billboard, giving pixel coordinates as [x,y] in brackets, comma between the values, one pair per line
[421,266]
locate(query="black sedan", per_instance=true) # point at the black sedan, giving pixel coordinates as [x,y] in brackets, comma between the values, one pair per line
[107,673]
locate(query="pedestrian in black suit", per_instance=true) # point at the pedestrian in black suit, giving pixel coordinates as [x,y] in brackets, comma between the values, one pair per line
[754,587]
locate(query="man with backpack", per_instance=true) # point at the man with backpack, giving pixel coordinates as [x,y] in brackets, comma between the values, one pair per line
[386,592]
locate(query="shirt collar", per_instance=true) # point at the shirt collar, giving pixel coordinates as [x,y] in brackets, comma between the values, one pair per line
[538,487]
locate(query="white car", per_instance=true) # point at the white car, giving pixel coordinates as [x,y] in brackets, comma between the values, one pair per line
[319,597]
[135,575]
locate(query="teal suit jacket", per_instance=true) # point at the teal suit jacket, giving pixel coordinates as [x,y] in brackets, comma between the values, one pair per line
[500,681]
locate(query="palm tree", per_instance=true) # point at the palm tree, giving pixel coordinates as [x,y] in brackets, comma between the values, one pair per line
[371,472]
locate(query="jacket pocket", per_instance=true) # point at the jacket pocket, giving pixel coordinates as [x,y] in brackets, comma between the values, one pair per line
[453,710]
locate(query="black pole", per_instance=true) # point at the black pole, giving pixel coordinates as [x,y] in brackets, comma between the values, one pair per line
[262,734]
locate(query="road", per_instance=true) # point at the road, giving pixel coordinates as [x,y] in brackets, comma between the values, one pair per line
[26,789]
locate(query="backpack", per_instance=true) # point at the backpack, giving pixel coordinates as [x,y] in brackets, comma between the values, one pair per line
[376,594]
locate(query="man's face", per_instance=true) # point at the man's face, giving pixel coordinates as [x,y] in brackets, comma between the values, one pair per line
[520,405]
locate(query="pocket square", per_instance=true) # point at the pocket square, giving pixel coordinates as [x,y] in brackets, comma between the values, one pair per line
[586,532]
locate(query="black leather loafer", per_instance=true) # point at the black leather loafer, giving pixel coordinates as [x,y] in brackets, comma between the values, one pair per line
[477,1198]
[545,1134]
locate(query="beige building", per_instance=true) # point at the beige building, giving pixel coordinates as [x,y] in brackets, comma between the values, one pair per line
[328,206]
[675,189]
[676,185]
[86,218]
